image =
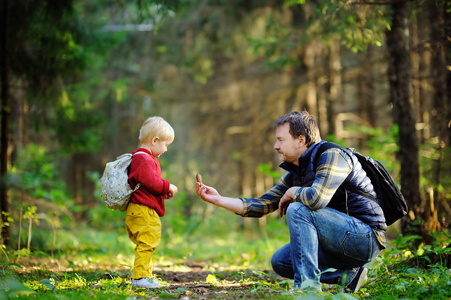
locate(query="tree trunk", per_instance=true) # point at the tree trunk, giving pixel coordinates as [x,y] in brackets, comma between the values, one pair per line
[424,63]
[440,103]
[400,82]
[448,76]
[311,95]
[335,91]
[438,68]
[366,89]
[5,112]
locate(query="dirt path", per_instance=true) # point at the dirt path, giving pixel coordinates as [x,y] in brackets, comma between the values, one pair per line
[186,281]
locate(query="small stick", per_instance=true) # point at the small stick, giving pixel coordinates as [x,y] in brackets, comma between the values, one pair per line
[199,178]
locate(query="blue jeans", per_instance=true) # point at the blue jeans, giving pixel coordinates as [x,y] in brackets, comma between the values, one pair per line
[322,239]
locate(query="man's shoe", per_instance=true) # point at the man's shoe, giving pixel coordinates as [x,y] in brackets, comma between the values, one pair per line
[148,283]
[356,283]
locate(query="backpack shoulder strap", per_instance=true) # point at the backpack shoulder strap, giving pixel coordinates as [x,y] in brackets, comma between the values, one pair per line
[328,145]
[362,160]
[139,152]
[138,185]
[322,148]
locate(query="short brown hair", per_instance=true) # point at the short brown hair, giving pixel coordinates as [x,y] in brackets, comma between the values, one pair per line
[301,123]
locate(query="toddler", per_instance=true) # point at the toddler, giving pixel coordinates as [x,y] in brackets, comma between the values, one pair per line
[147,203]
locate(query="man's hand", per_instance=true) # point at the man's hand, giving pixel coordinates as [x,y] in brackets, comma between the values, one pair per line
[210,195]
[207,193]
[285,201]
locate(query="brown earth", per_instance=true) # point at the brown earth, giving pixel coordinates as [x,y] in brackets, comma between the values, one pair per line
[186,281]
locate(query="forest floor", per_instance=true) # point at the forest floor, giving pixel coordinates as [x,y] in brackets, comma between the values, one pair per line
[54,278]
[104,278]
[236,268]
[222,284]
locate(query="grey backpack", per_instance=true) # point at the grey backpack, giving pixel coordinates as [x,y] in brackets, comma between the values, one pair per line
[116,192]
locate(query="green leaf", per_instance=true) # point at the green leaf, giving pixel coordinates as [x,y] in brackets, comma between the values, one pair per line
[15,288]
[307,284]
[343,296]
[49,283]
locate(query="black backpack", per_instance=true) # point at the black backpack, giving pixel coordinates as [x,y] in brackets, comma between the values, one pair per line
[389,196]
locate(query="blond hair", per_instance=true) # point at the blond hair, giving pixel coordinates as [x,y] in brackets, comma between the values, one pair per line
[156,127]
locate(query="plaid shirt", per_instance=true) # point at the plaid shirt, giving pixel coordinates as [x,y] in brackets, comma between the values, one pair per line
[333,167]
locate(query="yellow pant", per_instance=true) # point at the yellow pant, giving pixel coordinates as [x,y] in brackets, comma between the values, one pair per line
[144,229]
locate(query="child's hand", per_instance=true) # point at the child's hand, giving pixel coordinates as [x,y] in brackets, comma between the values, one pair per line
[172,191]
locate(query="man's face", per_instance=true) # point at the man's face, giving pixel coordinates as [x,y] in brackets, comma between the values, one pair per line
[288,147]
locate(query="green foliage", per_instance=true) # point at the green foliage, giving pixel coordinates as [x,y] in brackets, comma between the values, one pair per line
[9,220]
[277,44]
[36,174]
[44,40]
[12,288]
[357,25]
[41,194]
[294,2]
[435,180]
[380,144]
[199,66]
[415,273]
[267,170]
[383,146]
[431,154]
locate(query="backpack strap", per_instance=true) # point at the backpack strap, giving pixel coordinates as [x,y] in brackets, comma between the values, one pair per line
[138,185]
[139,153]
[362,193]
[322,148]
[356,190]
[328,145]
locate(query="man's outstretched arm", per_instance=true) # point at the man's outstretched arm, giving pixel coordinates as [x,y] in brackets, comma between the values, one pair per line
[212,196]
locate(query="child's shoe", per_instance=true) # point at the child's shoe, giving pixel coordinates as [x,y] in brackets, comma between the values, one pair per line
[148,283]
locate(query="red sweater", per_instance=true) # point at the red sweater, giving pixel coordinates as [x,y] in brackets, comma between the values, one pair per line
[146,170]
